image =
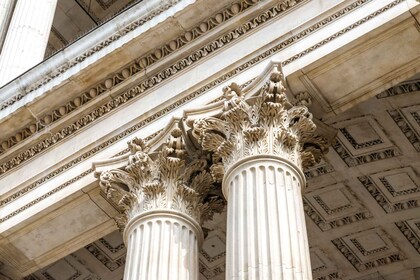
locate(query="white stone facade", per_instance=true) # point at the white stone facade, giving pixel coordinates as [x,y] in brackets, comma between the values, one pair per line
[329,192]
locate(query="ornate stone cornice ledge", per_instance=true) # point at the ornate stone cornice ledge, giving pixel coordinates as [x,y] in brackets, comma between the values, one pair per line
[149,83]
[150,59]
[104,35]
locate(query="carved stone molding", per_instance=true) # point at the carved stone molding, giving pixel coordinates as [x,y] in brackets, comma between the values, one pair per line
[167,179]
[403,88]
[323,167]
[407,119]
[334,206]
[368,249]
[130,70]
[395,190]
[411,230]
[190,35]
[322,266]
[265,123]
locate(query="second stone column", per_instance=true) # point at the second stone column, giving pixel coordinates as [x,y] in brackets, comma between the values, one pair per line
[164,197]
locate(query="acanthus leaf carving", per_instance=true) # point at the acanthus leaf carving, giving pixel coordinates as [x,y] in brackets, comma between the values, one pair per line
[166,179]
[266,123]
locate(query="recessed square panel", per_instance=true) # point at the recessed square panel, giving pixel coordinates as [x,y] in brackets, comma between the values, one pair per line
[362,136]
[321,264]
[334,201]
[408,120]
[363,133]
[61,270]
[112,245]
[415,226]
[370,244]
[368,249]
[214,246]
[114,239]
[411,230]
[398,184]
[316,263]
[401,182]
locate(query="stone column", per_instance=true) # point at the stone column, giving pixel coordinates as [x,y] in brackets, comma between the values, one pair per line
[261,144]
[164,196]
[6,9]
[26,38]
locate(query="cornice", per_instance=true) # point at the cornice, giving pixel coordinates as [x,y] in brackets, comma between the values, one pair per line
[150,11]
[151,58]
[139,65]
[148,83]
[283,44]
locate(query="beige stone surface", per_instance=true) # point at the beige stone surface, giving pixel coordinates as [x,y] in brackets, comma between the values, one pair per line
[378,140]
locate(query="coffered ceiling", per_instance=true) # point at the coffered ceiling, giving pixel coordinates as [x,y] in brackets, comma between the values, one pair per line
[362,203]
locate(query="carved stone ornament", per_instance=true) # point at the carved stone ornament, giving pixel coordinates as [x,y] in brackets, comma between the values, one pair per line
[264,123]
[166,179]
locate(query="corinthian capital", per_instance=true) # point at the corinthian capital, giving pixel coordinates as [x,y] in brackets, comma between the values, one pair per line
[262,123]
[166,179]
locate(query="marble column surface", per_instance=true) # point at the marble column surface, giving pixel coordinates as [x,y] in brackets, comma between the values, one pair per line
[26,38]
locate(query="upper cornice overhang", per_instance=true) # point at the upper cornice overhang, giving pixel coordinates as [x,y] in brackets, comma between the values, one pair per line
[20,129]
[105,49]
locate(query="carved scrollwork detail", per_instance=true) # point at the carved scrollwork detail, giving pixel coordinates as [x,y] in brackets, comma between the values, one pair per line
[267,123]
[167,179]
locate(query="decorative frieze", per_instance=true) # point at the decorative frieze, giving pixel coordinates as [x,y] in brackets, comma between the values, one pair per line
[161,52]
[344,30]
[147,61]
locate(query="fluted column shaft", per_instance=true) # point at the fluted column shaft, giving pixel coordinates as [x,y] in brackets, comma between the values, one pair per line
[26,38]
[6,9]
[266,231]
[160,246]
[164,197]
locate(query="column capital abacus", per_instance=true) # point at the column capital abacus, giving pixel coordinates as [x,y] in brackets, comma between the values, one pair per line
[167,180]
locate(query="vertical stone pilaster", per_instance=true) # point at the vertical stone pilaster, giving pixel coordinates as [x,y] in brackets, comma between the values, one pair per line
[26,38]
